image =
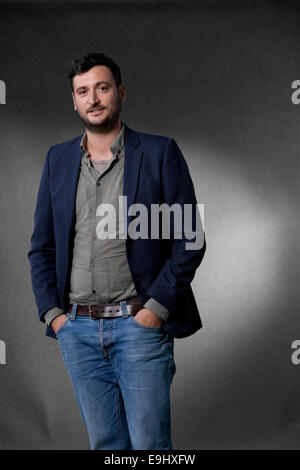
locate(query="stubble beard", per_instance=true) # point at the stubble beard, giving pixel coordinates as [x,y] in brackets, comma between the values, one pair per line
[106,125]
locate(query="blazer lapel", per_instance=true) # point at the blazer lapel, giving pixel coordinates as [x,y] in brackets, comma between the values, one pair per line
[70,177]
[132,162]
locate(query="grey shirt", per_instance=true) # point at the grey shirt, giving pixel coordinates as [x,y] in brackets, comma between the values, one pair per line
[100,272]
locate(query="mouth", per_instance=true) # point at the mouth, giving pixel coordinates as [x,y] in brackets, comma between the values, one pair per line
[97,111]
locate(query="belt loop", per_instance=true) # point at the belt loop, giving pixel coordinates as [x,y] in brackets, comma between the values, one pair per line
[124,309]
[73,312]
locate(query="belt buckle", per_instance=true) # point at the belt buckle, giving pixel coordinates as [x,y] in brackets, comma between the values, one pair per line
[90,313]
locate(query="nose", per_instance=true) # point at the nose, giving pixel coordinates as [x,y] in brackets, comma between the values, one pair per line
[93,98]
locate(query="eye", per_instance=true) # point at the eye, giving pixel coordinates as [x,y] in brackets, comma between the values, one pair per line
[81,92]
[103,88]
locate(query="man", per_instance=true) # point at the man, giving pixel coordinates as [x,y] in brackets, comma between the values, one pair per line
[116,303]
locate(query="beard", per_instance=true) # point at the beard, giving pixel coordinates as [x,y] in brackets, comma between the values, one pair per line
[107,124]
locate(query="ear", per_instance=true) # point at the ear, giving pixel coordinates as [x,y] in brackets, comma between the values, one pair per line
[122,92]
[74,102]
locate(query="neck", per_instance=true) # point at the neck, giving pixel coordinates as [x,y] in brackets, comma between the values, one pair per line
[98,144]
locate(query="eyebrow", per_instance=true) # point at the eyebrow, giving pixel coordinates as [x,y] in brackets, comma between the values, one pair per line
[96,84]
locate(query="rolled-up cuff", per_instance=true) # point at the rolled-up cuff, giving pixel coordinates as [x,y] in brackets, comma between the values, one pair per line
[51,314]
[157,308]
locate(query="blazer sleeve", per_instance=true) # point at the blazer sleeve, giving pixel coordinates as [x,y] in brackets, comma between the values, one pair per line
[42,254]
[179,268]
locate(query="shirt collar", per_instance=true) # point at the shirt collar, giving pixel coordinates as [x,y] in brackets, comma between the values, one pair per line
[116,146]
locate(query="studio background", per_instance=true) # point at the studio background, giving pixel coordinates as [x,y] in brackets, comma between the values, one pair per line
[215,76]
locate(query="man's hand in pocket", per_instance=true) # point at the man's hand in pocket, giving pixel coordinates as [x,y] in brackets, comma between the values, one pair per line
[148,318]
[58,322]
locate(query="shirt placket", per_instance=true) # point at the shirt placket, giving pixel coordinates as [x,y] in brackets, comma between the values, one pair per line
[95,242]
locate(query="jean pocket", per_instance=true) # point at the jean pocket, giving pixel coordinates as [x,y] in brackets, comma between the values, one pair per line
[140,325]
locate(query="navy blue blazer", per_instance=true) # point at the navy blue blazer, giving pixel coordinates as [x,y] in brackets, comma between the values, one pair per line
[155,171]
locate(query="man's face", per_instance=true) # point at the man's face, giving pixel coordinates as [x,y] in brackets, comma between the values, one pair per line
[97,99]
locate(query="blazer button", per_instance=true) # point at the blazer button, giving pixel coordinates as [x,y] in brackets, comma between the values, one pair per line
[67,246]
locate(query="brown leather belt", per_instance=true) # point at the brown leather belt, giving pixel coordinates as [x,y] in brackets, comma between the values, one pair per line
[108,310]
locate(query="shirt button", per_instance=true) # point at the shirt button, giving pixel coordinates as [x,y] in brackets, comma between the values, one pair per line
[92,265]
[94,292]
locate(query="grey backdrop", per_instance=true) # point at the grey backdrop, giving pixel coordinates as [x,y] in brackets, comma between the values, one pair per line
[216,76]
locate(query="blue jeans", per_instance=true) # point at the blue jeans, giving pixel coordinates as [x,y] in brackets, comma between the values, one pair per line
[121,372]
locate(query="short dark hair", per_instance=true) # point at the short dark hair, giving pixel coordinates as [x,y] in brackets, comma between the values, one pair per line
[88,61]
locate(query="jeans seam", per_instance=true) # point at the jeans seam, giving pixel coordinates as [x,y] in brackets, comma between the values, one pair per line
[119,414]
[171,372]
[100,334]
[111,331]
